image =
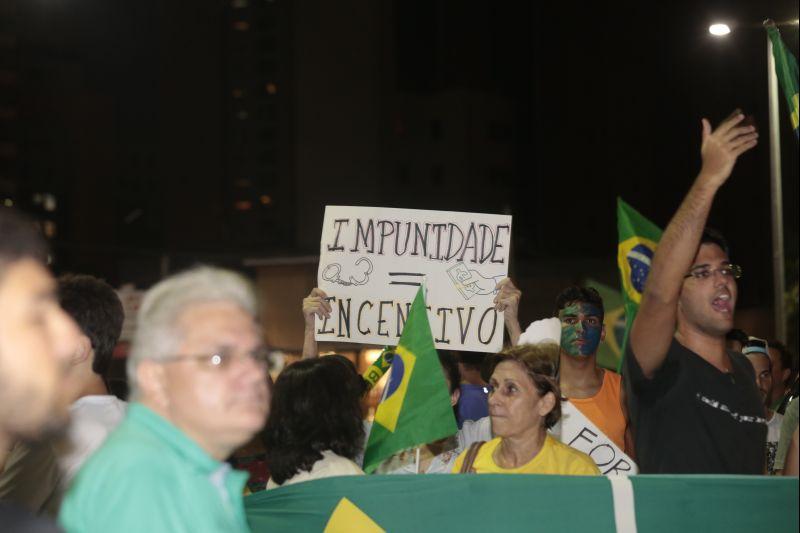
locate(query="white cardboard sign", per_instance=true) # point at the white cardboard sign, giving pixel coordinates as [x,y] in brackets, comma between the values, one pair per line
[373,260]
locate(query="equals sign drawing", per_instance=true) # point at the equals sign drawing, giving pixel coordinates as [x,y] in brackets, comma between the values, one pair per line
[397,278]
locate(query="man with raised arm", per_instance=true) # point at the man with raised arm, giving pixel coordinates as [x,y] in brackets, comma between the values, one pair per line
[693,404]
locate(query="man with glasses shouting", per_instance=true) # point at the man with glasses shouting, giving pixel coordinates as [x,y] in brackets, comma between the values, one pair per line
[693,404]
[198,380]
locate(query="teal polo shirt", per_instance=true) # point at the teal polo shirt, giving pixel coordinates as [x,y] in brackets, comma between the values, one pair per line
[149,476]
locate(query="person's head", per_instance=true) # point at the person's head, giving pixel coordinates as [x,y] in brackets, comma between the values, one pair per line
[524,391]
[36,335]
[580,310]
[312,411]
[97,309]
[470,366]
[356,384]
[451,375]
[756,351]
[782,362]
[735,339]
[708,296]
[197,358]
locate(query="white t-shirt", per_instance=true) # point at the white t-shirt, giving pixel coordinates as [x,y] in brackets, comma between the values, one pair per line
[405,462]
[773,436]
[92,419]
[330,465]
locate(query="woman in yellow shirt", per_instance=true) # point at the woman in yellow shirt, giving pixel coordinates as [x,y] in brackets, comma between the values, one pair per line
[524,403]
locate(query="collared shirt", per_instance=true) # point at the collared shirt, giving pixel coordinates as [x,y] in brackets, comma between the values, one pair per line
[150,476]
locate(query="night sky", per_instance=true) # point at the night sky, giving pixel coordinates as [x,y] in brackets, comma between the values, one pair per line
[124,110]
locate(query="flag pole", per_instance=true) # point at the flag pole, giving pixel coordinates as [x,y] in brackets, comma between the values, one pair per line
[776,194]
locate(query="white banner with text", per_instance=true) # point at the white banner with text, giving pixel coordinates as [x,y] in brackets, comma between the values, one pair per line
[373,260]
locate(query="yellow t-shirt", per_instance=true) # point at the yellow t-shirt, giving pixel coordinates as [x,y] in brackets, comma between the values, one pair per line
[554,458]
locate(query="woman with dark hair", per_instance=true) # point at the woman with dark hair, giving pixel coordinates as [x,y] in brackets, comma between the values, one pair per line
[523,405]
[314,428]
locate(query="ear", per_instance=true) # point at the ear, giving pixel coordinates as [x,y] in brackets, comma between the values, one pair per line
[546,404]
[785,375]
[152,382]
[602,333]
[83,351]
[454,397]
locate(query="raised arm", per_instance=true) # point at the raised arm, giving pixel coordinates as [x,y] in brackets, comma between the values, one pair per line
[654,326]
[507,300]
[314,304]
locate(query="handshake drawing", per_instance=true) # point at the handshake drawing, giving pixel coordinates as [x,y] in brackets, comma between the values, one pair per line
[471,282]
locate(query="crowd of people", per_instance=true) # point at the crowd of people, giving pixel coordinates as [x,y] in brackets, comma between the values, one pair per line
[694,396]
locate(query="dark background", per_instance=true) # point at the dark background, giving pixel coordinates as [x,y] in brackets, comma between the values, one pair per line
[150,135]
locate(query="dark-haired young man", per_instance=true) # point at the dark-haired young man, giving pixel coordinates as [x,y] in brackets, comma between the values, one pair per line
[37,474]
[594,391]
[694,405]
[36,339]
[593,396]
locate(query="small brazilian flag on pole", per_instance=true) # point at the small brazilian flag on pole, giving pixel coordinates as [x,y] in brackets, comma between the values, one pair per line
[638,238]
[786,70]
[416,406]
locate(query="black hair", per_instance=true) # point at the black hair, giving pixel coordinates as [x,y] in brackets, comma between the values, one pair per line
[473,360]
[713,236]
[313,410]
[738,335]
[450,366]
[357,384]
[787,358]
[96,308]
[19,238]
[579,294]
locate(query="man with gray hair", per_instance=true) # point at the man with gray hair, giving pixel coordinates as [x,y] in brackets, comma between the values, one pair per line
[197,372]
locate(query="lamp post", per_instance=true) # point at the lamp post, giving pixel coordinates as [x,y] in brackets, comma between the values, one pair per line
[776,188]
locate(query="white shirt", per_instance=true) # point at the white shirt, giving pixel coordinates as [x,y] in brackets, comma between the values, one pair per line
[92,419]
[405,462]
[773,436]
[330,465]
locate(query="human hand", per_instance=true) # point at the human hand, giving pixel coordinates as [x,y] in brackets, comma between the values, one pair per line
[721,147]
[508,298]
[315,304]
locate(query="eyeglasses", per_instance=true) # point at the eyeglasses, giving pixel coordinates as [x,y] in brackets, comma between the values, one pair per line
[223,359]
[704,272]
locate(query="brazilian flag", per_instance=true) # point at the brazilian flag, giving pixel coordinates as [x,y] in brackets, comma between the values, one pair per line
[416,406]
[609,353]
[638,238]
[786,70]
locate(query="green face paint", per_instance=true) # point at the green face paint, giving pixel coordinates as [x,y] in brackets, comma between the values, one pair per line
[581,329]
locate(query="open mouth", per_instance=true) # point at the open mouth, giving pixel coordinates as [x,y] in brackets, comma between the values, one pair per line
[722,303]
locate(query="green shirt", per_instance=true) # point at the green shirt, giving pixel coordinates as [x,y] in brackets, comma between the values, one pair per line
[149,476]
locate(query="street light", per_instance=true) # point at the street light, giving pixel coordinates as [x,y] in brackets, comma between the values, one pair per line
[719,30]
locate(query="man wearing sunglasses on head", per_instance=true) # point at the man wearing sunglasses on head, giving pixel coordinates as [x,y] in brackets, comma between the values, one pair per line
[693,404]
[198,381]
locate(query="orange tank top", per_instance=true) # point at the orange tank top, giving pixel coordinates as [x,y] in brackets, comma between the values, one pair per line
[604,409]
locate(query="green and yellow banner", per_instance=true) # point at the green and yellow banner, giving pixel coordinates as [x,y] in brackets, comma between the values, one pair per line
[529,503]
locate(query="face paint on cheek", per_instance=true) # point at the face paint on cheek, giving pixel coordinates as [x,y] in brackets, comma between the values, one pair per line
[591,339]
[581,329]
[569,334]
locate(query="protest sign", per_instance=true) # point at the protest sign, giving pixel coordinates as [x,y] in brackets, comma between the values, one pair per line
[578,431]
[372,260]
